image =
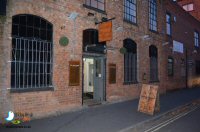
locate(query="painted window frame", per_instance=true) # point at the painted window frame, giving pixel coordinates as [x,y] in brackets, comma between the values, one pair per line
[196,39]
[130,14]
[153,55]
[130,63]
[153,15]
[168,24]
[88,4]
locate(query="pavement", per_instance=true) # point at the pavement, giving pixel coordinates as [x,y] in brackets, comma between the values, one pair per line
[109,117]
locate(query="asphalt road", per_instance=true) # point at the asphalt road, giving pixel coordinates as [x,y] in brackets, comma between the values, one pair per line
[188,123]
[106,118]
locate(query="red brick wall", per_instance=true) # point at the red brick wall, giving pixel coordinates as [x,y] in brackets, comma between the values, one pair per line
[182,31]
[64,97]
[196,11]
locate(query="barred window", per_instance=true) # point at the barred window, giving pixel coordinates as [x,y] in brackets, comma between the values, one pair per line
[153,15]
[196,39]
[98,4]
[170,66]
[32,48]
[168,24]
[130,62]
[153,54]
[130,11]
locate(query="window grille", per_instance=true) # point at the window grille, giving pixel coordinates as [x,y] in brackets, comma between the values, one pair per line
[32,51]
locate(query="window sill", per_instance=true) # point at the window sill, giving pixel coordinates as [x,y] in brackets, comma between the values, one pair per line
[132,23]
[18,90]
[169,35]
[155,81]
[130,83]
[171,75]
[153,31]
[95,9]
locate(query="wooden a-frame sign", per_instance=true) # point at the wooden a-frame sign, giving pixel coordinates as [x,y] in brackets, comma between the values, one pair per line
[149,99]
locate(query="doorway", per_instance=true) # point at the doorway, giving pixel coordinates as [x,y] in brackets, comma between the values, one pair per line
[93,79]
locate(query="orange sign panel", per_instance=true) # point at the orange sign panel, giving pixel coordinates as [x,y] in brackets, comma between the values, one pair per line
[149,99]
[105,31]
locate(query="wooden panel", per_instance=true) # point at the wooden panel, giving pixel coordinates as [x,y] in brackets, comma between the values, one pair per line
[149,99]
[74,73]
[105,31]
[112,73]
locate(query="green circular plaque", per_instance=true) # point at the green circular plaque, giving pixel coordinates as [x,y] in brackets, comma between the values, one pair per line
[122,50]
[64,41]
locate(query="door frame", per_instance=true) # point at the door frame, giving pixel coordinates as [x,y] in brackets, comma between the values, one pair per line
[93,55]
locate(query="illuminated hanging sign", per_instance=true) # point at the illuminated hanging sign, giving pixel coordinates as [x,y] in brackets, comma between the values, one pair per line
[105,31]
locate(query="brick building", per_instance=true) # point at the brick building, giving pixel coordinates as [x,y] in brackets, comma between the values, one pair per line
[52,60]
[182,49]
[191,6]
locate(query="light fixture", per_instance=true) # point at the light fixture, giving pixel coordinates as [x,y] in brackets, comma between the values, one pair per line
[165,43]
[73,16]
[90,14]
[146,37]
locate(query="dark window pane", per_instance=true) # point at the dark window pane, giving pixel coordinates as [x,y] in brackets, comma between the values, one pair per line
[15,30]
[22,20]
[43,24]
[22,31]
[36,22]
[36,33]
[43,34]
[30,20]
[30,32]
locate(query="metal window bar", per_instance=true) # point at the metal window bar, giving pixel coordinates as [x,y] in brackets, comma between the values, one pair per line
[28,64]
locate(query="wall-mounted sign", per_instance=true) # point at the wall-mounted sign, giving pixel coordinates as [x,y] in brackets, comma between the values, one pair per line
[64,41]
[74,73]
[112,73]
[178,46]
[105,31]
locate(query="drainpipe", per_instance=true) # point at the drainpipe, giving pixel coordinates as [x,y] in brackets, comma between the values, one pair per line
[186,68]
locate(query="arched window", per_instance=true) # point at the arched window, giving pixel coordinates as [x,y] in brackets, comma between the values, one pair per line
[153,54]
[32,47]
[130,62]
[91,42]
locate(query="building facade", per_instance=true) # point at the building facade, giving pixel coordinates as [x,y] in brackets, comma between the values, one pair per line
[182,47]
[191,6]
[53,58]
